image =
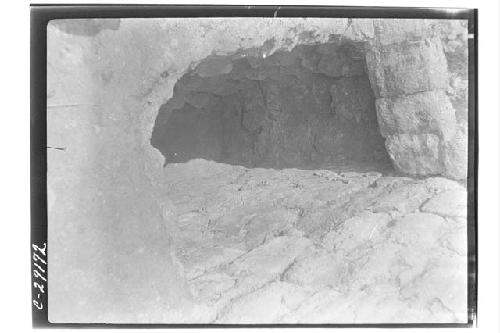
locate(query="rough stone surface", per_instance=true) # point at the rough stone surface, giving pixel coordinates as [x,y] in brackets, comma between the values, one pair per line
[419,75]
[376,240]
[421,130]
[422,113]
[196,233]
[417,154]
[448,203]
[408,68]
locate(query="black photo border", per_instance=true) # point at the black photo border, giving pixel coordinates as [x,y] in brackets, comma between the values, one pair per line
[42,14]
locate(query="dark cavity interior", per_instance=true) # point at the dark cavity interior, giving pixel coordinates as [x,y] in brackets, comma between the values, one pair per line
[308,108]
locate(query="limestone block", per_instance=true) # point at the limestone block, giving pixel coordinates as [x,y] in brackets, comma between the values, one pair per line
[407,68]
[415,154]
[426,112]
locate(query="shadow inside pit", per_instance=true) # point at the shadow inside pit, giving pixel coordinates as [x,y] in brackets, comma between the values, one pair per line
[308,108]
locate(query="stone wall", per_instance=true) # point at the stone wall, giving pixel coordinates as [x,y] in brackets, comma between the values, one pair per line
[409,73]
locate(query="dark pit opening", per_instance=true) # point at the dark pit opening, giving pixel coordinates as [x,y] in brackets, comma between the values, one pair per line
[308,108]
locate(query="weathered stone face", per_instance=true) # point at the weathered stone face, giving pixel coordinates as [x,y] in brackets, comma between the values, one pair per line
[419,105]
[416,153]
[112,225]
[428,112]
[408,68]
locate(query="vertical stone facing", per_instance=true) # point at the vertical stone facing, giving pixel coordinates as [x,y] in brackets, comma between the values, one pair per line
[408,73]
[415,154]
[426,112]
[408,67]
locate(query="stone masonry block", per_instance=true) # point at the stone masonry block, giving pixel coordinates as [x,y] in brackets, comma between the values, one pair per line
[407,68]
[426,112]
